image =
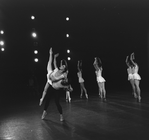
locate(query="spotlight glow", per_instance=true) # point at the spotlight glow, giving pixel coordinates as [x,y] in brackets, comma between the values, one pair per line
[68,58]
[68,51]
[35,52]
[36,60]
[2,43]
[1,32]
[67,18]
[67,35]
[34,35]
[32,17]
[2,49]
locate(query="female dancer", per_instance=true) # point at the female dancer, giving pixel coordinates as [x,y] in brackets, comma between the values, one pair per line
[136,77]
[100,80]
[68,98]
[81,80]
[130,71]
[54,78]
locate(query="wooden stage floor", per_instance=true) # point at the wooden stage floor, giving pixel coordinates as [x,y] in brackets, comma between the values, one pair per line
[119,118]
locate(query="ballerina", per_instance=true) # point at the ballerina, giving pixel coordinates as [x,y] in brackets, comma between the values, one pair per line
[100,80]
[81,80]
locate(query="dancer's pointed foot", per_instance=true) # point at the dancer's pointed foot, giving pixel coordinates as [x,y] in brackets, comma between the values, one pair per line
[44,115]
[61,118]
[86,96]
[135,95]
[69,100]
[139,98]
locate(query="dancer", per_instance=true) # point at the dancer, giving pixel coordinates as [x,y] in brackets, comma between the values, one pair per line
[68,98]
[130,71]
[136,77]
[55,79]
[100,80]
[81,80]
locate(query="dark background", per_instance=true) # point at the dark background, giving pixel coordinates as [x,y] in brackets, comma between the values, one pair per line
[109,29]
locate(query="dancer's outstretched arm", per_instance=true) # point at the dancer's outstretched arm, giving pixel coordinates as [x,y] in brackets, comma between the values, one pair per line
[132,59]
[55,63]
[127,61]
[95,64]
[58,77]
[78,66]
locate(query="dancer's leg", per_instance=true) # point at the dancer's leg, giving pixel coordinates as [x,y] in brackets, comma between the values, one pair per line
[100,89]
[137,82]
[68,96]
[57,102]
[103,90]
[81,90]
[44,93]
[84,89]
[133,88]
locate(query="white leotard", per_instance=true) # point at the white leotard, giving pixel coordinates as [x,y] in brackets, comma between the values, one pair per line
[130,73]
[99,76]
[135,74]
[81,80]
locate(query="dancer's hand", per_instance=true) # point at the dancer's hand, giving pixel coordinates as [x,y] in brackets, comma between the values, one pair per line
[40,103]
[126,59]
[56,55]
[133,55]
[50,51]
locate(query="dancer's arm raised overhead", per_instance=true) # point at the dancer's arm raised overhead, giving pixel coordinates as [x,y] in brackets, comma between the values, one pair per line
[132,59]
[79,65]
[55,62]
[127,63]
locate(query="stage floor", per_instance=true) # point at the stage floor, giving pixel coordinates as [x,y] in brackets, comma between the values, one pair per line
[119,118]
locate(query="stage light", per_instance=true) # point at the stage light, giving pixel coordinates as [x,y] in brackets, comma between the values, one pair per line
[2,49]
[67,18]
[68,58]
[34,35]
[68,51]
[2,43]
[32,17]
[1,32]
[35,52]
[67,35]
[36,60]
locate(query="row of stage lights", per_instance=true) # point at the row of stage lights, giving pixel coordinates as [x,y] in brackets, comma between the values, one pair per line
[67,35]
[2,44]
[34,35]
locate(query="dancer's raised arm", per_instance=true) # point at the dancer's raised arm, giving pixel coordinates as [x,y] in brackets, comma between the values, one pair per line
[127,63]
[55,62]
[132,59]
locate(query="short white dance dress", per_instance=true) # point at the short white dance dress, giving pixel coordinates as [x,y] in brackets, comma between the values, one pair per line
[99,76]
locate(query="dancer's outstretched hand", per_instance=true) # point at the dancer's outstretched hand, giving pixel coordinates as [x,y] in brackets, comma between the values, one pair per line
[56,55]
